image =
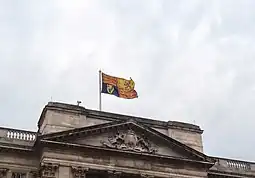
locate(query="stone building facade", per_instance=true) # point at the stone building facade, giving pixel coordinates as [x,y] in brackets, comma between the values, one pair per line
[75,142]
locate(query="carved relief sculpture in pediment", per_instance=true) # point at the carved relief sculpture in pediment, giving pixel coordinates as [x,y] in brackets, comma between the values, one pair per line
[129,141]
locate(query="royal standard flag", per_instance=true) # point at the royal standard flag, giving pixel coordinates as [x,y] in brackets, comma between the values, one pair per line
[119,87]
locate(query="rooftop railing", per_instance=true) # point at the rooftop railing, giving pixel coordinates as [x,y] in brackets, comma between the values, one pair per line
[238,164]
[233,165]
[15,134]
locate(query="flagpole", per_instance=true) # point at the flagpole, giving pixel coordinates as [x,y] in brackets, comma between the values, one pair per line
[100,89]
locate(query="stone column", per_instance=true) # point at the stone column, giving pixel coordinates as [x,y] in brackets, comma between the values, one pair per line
[79,172]
[114,174]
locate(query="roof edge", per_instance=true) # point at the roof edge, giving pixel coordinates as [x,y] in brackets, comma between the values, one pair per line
[115,116]
[230,159]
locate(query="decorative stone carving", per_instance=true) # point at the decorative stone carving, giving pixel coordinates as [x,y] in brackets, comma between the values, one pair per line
[48,170]
[3,172]
[129,141]
[79,172]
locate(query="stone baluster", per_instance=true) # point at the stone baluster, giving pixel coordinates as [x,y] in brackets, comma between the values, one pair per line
[21,135]
[114,174]
[79,172]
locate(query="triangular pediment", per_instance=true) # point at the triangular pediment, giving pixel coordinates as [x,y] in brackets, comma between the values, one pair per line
[129,136]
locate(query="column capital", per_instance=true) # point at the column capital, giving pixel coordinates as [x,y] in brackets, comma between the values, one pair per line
[48,169]
[52,165]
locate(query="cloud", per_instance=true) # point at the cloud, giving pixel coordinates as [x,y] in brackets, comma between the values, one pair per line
[192,61]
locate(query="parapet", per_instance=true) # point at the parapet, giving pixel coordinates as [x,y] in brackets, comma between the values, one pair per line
[17,138]
[229,167]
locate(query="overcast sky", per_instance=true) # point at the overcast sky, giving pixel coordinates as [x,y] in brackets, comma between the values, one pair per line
[192,61]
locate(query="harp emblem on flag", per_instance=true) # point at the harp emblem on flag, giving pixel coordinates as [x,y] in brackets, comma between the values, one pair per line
[110,89]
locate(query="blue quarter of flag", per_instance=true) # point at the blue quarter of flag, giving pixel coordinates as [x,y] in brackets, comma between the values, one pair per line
[110,89]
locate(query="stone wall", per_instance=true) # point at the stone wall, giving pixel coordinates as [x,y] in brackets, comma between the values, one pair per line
[191,139]
[60,120]
[18,163]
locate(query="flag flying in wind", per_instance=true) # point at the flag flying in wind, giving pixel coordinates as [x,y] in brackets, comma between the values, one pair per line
[119,87]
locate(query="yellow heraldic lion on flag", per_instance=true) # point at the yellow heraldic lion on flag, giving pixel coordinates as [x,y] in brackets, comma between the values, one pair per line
[119,87]
[126,85]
